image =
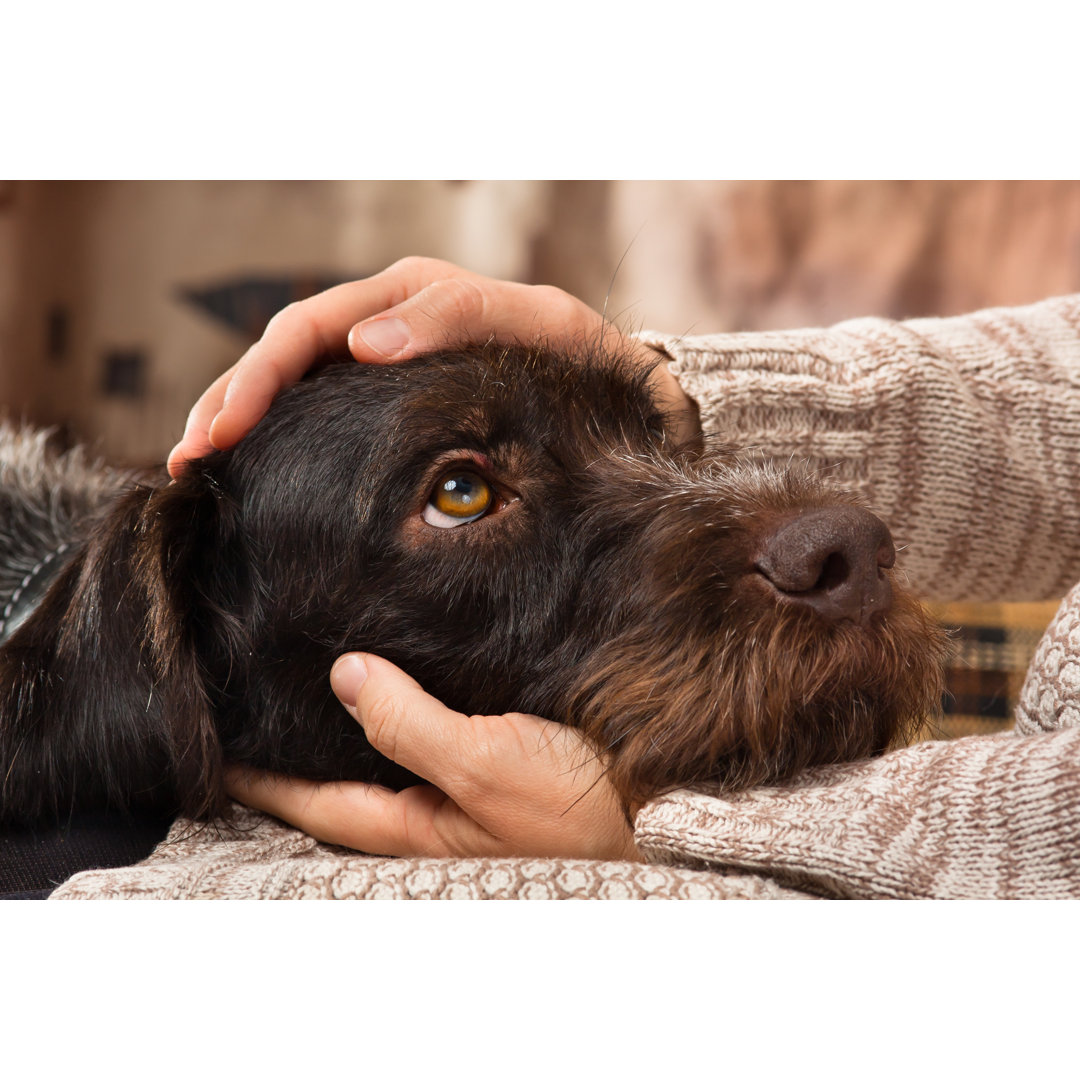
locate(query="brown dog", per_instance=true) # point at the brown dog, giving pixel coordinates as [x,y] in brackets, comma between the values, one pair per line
[512,527]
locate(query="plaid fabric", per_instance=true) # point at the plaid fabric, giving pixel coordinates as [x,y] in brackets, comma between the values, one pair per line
[993,646]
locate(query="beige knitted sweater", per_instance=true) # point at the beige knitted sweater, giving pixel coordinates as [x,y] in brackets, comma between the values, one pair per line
[965,435]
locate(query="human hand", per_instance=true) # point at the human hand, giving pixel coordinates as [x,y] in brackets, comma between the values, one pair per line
[505,785]
[413,307]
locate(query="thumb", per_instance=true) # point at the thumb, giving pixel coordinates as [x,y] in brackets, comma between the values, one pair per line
[453,310]
[401,720]
[515,783]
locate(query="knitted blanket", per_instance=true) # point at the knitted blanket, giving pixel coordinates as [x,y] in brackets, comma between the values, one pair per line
[965,435]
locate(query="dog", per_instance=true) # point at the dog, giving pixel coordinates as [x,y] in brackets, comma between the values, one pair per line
[512,525]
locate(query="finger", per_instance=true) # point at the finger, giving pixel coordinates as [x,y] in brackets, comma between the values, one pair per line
[408,725]
[465,307]
[196,441]
[302,333]
[366,817]
[293,340]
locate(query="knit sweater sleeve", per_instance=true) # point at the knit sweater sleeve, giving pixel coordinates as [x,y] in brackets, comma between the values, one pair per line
[963,433]
[990,817]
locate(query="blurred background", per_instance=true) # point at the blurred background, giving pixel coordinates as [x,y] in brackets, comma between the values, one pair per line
[120,301]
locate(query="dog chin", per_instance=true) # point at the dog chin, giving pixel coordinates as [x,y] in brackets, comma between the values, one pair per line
[796,692]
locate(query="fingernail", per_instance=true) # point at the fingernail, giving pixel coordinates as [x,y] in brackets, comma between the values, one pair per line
[386,336]
[346,678]
[210,432]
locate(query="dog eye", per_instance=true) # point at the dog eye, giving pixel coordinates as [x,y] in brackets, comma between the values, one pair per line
[459,497]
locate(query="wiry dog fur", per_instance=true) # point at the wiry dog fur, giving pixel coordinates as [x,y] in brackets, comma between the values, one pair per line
[611,587]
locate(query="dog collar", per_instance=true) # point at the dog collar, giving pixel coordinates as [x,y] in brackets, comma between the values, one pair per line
[29,593]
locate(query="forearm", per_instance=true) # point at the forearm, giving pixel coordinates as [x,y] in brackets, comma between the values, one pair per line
[985,817]
[964,433]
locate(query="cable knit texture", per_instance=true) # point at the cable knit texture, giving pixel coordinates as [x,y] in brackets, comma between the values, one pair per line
[965,435]
[1050,698]
[262,859]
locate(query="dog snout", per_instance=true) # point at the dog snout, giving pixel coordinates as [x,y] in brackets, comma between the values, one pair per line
[831,560]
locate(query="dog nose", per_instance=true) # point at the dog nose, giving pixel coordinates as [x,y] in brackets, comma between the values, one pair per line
[832,560]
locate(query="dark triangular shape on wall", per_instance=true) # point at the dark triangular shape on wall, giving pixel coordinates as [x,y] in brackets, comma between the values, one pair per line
[247,304]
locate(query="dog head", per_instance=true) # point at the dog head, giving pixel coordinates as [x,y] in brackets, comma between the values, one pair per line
[514,528]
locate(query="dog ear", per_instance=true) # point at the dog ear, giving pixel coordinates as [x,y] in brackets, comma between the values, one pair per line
[183,566]
[150,573]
